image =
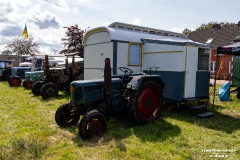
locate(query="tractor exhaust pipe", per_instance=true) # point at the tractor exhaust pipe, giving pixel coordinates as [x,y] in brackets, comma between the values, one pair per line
[108,82]
[47,66]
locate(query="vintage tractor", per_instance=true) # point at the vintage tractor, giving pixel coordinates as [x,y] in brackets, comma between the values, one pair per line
[5,69]
[32,77]
[17,74]
[140,94]
[56,79]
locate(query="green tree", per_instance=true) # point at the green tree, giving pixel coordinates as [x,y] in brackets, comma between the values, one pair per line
[187,31]
[22,46]
[73,40]
[5,52]
[211,24]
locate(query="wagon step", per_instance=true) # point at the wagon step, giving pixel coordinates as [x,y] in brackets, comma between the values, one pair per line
[204,115]
[198,107]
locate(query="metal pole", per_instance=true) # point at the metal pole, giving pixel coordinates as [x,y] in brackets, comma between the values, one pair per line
[215,79]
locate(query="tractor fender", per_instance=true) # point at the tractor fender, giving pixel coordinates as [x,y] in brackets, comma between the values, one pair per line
[104,113]
[137,81]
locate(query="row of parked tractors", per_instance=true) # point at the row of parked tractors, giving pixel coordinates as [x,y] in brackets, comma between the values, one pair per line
[139,95]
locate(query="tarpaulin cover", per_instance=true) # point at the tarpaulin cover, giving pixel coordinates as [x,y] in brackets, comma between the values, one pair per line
[224,92]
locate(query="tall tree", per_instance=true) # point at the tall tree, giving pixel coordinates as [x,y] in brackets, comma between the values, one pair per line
[73,40]
[22,46]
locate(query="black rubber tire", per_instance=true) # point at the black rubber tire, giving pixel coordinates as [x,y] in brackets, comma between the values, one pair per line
[238,95]
[147,103]
[93,124]
[36,87]
[66,116]
[49,90]
[14,81]
[118,106]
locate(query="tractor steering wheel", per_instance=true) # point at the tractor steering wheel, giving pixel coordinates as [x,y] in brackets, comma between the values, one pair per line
[126,71]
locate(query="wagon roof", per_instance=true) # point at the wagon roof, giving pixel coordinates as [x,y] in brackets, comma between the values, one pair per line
[132,33]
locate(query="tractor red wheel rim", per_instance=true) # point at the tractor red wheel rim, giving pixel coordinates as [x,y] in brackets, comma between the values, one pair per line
[95,127]
[148,103]
[28,85]
[15,82]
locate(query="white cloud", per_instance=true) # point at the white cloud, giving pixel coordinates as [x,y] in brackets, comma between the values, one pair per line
[179,30]
[11,31]
[82,1]
[59,4]
[6,8]
[75,10]
[136,21]
[45,20]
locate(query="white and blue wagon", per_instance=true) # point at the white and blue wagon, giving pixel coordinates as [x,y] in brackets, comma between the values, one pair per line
[184,64]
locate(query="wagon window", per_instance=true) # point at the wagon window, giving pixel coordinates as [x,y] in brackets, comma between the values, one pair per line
[2,65]
[203,59]
[135,57]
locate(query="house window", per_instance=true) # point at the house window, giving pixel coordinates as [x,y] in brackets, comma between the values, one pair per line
[203,59]
[213,64]
[134,54]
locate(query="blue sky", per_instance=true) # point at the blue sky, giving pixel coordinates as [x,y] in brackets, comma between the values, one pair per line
[45,19]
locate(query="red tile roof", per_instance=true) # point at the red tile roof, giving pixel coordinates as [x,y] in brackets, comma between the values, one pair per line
[222,36]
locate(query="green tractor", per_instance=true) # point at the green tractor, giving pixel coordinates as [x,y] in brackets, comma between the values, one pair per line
[31,78]
[139,94]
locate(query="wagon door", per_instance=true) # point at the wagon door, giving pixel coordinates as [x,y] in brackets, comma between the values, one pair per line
[191,61]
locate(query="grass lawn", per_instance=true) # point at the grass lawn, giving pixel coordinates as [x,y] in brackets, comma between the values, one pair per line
[28,131]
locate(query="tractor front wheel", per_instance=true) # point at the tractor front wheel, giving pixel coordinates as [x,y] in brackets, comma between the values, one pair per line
[36,87]
[14,82]
[49,90]
[66,116]
[148,102]
[93,124]
[28,84]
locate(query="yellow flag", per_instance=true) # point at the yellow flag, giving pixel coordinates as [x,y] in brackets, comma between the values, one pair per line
[25,33]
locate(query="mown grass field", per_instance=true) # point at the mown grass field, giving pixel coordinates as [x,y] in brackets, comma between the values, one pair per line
[28,131]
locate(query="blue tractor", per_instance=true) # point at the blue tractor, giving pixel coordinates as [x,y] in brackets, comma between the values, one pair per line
[17,75]
[139,94]
[5,69]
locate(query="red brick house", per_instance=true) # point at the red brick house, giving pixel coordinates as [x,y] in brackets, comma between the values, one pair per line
[216,37]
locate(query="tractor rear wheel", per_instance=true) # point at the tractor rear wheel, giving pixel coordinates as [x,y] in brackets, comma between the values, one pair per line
[14,81]
[66,116]
[36,87]
[93,124]
[147,103]
[49,90]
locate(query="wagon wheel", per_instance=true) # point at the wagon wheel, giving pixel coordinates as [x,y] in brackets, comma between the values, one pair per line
[36,87]
[15,82]
[49,90]
[147,103]
[66,116]
[93,124]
